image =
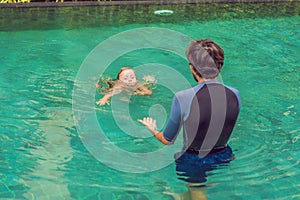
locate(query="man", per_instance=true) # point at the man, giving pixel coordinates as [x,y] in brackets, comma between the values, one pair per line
[207,112]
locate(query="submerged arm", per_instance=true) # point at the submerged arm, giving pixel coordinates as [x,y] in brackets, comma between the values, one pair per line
[142,90]
[105,100]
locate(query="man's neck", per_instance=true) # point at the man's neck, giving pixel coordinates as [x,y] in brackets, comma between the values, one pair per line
[200,80]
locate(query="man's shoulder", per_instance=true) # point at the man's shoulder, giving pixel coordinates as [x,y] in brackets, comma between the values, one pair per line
[234,90]
[187,93]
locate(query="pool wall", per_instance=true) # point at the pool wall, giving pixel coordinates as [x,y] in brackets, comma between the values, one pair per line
[76,16]
[146,2]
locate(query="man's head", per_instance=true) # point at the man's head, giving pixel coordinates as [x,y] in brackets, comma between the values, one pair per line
[206,58]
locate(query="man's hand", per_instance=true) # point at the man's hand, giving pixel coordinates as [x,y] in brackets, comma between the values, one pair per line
[151,126]
[149,123]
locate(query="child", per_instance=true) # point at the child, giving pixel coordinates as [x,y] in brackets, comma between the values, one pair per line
[126,82]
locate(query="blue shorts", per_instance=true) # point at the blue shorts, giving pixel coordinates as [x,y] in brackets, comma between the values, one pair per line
[192,168]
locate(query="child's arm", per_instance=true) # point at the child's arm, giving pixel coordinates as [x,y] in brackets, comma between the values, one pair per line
[142,90]
[105,100]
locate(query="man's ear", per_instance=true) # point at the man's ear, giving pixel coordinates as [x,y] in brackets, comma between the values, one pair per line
[193,70]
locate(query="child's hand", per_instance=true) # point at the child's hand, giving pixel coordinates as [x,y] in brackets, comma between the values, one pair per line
[102,102]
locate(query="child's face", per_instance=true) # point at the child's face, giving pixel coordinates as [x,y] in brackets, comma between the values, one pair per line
[128,77]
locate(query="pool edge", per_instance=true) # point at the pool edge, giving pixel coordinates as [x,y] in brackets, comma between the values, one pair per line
[112,3]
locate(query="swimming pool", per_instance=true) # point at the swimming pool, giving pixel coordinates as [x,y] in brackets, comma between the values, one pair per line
[42,155]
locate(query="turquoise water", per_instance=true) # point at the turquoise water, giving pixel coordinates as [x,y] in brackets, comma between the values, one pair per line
[42,155]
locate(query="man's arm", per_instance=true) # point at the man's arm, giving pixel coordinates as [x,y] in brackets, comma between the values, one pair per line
[151,126]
